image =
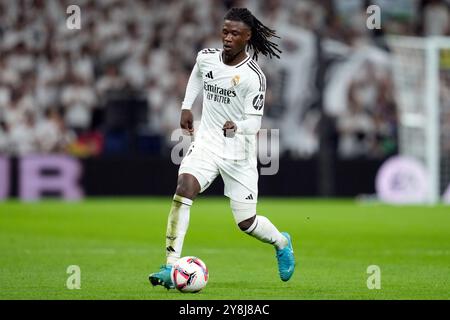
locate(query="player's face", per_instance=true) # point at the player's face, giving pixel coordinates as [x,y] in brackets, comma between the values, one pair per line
[235,35]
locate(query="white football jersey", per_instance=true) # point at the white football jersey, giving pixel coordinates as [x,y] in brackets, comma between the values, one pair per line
[229,93]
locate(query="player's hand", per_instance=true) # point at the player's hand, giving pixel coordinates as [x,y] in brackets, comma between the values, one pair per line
[229,129]
[187,121]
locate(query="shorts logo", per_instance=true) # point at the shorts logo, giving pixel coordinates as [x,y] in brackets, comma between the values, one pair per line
[258,102]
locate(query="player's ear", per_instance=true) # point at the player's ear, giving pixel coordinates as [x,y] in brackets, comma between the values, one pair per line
[248,35]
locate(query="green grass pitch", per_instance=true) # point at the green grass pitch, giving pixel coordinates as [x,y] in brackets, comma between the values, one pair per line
[118,242]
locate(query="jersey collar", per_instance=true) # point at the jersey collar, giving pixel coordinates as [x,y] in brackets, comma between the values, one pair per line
[247,59]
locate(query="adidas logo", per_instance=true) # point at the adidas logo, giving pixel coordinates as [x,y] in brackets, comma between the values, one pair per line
[249,197]
[210,75]
[170,249]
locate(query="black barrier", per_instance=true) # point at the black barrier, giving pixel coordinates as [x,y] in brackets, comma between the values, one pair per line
[146,176]
[157,176]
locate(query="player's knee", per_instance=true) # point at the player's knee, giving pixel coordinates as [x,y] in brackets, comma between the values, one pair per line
[184,191]
[247,223]
[244,214]
[187,187]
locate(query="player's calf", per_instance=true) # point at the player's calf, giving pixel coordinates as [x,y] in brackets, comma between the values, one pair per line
[255,225]
[262,229]
[247,223]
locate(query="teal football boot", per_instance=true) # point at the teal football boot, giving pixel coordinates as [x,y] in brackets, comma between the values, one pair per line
[162,278]
[286,261]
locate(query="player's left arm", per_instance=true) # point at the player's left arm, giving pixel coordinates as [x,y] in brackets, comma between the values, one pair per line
[249,126]
[253,109]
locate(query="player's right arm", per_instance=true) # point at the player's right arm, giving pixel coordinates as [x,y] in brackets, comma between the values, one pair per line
[192,90]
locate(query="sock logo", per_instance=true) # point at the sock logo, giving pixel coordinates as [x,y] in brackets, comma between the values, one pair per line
[249,197]
[171,238]
[210,75]
[170,249]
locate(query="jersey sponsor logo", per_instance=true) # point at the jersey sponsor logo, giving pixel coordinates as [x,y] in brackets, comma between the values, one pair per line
[218,90]
[258,102]
[210,75]
[218,94]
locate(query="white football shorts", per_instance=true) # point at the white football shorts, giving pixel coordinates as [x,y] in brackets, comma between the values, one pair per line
[240,177]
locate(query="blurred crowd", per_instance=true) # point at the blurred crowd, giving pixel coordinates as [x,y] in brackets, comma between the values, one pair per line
[55,80]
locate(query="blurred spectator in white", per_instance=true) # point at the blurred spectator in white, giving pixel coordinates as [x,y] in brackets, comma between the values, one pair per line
[150,47]
[111,80]
[136,70]
[355,126]
[170,112]
[155,101]
[66,136]
[78,99]
[363,63]
[47,132]
[19,104]
[5,98]
[170,119]
[4,139]
[83,64]
[9,75]
[23,136]
[51,71]
[21,59]
[385,118]
[436,18]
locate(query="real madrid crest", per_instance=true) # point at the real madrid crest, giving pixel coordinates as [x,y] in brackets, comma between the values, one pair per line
[235,80]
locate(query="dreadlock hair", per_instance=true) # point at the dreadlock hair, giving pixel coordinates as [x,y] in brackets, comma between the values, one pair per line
[260,33]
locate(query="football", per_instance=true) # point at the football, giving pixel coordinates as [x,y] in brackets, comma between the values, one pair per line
[189,274]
